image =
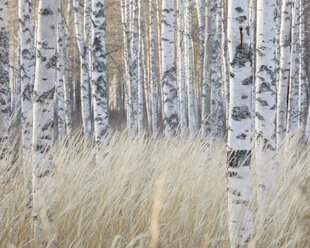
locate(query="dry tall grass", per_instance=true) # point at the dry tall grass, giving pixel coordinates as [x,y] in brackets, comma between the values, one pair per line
[156,192]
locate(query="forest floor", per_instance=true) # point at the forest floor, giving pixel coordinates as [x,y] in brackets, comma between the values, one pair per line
[156,192]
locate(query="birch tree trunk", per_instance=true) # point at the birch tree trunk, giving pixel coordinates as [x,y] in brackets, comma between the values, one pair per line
[127,58]
[266,93]
[252,23]
[140,68]
[27,68]
[205,97]
[285,50]
[303,96]
[4,71]
[292,119]
[84,73]
[67,86]
[239,133]
[181,67]
[201,23]
[60,98]
[153,69]
[169,84]
[99,88]
[216,120]
[134,65]
[189,68]
[43,122]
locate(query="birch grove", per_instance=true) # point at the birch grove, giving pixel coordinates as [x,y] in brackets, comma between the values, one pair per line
[203,73]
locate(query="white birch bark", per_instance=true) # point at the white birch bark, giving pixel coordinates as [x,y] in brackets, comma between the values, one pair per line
[189,68]
[181,67]
[140,68]
[252,23]
[67,86]
[84,73]
[266,93]
[225,63]
[43,122]
[153,69]
[239,133]
[205,96]
[99,87]
[60,98]
[201,23]
[126,37]
[303,96]
[169,84]
[27,68]
[134,65]
[4,71]
[285,51]
[292,118]
[216,119]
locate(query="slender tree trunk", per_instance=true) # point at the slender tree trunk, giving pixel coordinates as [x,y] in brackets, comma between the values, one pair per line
[67,86]
[134,65]
[153,69]
[43,124]
[205,97]
[266,93]
[27,67]
[216,120]
[225,62]
[189,68]
[140,68]
[4,71]
[303,96]
[99,87]
[292,119]
[127,58]
[201,23]
[169,91]
[181,67]
[84,73]
[285,51]
[60,99]
[239,133]
[252,23]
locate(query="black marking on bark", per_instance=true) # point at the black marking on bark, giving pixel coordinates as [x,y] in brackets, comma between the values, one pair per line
[239,158]
[240,113]
[45,12]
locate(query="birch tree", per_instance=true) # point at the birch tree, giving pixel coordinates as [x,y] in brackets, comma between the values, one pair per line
[292,118]
[60,98]
[43,122]
[67,86]
[266,93]
[189,68]
[217,115]
[239,133]
[303,96]
[169,84]
[140,68]
[153,69]
[134,65]
[4,71]
[201,23]
[27,68]
[181,67]
[99,88]
[84,73]
[285,51]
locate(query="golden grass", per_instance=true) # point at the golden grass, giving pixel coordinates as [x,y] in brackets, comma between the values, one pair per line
[156,192]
